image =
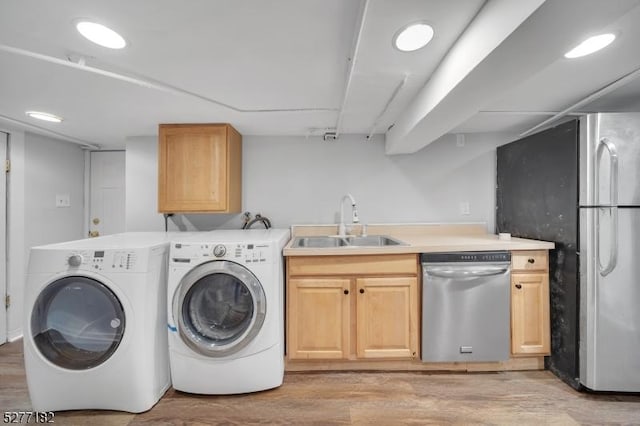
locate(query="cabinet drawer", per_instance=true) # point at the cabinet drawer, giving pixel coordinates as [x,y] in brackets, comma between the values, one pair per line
[537,260]
[383,264]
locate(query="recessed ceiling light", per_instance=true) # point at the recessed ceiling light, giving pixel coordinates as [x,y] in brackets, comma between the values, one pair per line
[99,34]
[413,37]
[590,45]
[44,116]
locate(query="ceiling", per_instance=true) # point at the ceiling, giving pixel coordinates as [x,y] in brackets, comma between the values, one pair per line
[310,67]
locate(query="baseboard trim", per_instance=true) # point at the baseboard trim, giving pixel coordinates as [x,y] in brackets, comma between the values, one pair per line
[513,364]
[14,335]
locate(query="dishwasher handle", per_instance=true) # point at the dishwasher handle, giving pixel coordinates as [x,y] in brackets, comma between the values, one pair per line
[448,272]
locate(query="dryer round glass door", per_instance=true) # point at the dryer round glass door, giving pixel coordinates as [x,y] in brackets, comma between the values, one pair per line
[77,323]
[220,306]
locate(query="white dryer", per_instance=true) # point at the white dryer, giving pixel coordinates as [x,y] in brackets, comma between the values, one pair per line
[226,311]
[95,323]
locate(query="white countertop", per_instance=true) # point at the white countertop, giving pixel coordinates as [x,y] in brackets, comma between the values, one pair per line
[423,238]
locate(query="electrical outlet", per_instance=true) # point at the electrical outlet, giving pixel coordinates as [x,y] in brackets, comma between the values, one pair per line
[464,208]
[63,200]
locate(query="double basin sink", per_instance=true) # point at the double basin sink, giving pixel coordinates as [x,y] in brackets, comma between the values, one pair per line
[348,241]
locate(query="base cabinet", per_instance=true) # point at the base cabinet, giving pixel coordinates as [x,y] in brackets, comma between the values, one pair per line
[387,317]
[530,322]
[321,311]
[352,315]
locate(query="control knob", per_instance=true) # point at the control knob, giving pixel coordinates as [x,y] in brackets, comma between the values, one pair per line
[219,250]
[75,260]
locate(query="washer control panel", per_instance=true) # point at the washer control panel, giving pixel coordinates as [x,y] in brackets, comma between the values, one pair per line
[103,260]
[252,253]
[237,252]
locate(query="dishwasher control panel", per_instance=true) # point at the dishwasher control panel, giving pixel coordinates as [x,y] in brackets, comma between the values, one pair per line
[467,256]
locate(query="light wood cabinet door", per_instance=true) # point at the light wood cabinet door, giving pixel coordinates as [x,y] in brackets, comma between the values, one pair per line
[387,317]
[199,168]
[530,329]
[318,318]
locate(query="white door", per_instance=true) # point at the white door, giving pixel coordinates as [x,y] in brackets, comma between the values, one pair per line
[3,240]
[107,196]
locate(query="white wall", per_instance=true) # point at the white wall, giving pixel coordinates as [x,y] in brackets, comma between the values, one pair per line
[141,195]
[41,167]
[295,180]
[53,167]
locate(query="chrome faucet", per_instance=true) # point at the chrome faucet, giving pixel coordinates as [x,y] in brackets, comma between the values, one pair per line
[354,218]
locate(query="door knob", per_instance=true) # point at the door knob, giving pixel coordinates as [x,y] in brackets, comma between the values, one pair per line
[362,290]
[96,221]
[94,234]
[346,292]
[518,286]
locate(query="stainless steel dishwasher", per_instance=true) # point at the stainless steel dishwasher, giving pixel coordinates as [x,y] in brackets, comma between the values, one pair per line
[465,306]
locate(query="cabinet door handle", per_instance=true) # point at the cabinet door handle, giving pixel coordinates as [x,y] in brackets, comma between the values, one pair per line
[346,292]
[518,286]
[531,260]
[362,290]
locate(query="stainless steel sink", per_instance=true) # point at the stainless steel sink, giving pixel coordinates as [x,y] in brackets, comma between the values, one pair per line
[374,241]
[335,241]
[318,242]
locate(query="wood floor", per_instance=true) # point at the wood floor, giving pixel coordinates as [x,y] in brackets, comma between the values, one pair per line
[510,398]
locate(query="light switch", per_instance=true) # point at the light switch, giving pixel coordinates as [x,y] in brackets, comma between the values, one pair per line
[63,200]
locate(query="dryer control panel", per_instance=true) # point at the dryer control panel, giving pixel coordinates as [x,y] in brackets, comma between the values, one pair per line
[103,260]
[238,252]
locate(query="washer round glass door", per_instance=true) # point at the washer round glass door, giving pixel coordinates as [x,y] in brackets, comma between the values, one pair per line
[220,306]
[77,323]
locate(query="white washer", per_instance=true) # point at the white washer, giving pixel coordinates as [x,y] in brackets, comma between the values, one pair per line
[95,323]
[226,311]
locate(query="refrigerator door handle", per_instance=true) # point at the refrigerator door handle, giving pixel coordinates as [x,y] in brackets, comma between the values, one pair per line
[613,170]
[613,193]
[613,247]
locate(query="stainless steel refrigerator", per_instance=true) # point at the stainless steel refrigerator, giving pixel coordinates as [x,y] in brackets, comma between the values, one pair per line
[578,184]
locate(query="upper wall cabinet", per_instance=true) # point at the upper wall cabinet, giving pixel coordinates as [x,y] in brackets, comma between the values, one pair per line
[199,169]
